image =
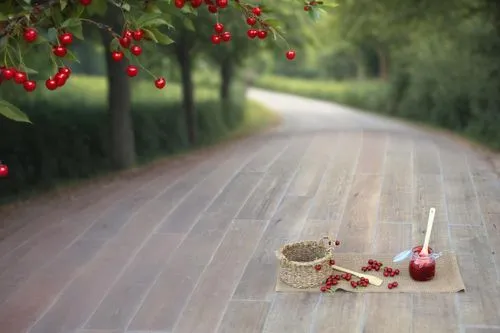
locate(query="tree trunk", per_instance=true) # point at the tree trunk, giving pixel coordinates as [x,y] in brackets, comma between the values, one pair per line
[383,63]
[184,60]
[226,75]
[119,101]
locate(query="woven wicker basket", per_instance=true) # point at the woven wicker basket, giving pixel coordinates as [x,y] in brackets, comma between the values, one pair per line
[305,264]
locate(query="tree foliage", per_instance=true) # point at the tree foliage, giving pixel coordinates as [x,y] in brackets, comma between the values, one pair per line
[47,28]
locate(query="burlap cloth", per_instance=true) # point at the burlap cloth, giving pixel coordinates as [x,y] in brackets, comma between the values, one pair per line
[447,280]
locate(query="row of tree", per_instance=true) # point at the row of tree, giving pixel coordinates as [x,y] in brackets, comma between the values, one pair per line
[439,58]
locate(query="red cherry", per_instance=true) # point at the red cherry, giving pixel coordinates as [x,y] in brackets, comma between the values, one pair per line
[136,50]
[386,274]
[317,267]
[8,73]
[354,284]
[262,34]
[332,262]
[160,83]
[65,70]
[252,33]
[125,42]
[196,3]
[51,84]
[337,243]
[221,3]
[138,34]
[117,55]
[306,8]
[61,79]
[179,3]
[396,271]
[66,38]
[323,289]
[59,51]
[394,284]
[4,170]
[290,55]
[251,21]
[20,77]
[29,85]
[128,33]
[30,35]
[212,9]
[226,36]
[389,286]
[85,2]
[219,27]
[132,70]
[215,39]
[370,262]
[257,11]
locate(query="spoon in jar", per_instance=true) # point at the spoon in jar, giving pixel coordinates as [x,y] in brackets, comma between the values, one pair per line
[430,222]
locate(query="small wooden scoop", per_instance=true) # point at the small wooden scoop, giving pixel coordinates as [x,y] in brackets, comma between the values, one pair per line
[376,281]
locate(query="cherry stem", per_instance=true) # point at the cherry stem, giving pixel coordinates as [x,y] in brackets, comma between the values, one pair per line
[145,69]
[101,26]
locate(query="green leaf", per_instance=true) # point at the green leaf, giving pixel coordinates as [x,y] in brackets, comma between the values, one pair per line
[29,70]
[147,17]
[314,13]
[121,4]
[188,24]
[12,112]
[78,11]
[40,40]
[56,15]
[114,45]
[98,7]
[74,26]
[158,37]
[71,57]
[272,22]
[329,5]
[52,35]
[63,4]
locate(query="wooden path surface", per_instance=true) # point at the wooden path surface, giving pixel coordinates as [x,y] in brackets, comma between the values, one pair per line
[188,245]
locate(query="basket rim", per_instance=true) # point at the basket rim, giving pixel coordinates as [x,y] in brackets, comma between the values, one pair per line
[328,255]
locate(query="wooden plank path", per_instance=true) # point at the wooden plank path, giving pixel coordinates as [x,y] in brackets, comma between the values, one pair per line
[188,245]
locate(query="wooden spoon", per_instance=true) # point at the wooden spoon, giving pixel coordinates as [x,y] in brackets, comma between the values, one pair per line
[430,222]
[376,281]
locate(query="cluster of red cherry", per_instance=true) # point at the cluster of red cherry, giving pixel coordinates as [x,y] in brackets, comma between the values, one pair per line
[129,41]
[19,76]
[125,42]
[253,18]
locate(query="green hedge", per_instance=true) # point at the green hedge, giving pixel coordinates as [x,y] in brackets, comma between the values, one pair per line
[69,135]
[370,95]
[425,96]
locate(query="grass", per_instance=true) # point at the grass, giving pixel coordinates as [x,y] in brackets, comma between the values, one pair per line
[91,92]
[64,147]
[371,95]
[368,96]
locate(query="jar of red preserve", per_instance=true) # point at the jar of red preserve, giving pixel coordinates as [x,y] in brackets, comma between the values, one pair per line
[422,267]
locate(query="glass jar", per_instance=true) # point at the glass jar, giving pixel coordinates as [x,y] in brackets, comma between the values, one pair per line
[422,267]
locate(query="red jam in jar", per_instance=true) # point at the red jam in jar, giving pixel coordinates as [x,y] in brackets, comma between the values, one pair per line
[422,268]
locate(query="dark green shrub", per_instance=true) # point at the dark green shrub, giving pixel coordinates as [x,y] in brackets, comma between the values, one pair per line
[69,135]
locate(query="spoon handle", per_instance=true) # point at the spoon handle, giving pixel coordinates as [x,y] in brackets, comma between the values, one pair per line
[430,222]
